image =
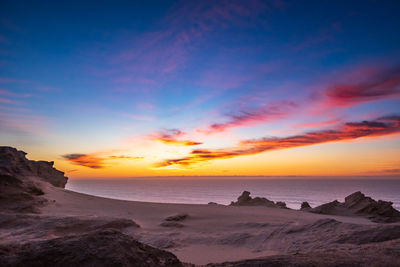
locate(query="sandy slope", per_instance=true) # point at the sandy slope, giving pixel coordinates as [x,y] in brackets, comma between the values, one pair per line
[213,233]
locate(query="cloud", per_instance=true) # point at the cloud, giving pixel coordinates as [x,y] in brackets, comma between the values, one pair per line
[92,160]
[12,94]
[372,83]
[316,124]
[9,101]
[144,62]
[170,137]
[17,121]
[252,116]
[348,131]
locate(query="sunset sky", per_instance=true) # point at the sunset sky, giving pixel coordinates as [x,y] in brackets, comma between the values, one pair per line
[156,88]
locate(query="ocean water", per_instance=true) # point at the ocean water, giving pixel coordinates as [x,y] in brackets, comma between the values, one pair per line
[223,191]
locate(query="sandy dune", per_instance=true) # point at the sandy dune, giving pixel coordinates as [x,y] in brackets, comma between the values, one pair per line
[213,233]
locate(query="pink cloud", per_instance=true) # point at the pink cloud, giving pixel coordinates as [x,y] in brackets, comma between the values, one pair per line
[13,94]
[250,117]
[9,101]
[348,131]
[363,85]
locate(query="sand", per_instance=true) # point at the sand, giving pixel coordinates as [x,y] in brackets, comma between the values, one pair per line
[212,233]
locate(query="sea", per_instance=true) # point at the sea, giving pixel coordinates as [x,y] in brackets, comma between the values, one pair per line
[202,190]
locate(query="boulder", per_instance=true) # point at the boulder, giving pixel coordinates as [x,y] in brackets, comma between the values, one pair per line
[305,206]
[357,204]
[98,248]
[246,200]
[177,217]
[14,163]
[22,181]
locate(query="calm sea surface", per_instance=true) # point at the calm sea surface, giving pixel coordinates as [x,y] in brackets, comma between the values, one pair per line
[223,191]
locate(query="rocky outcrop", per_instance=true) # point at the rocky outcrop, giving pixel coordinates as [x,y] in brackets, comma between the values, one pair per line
[305,206]
[357,204]
[22,180]
[14,163]
[99,248]
[177,217]
[368,256]
[246,200]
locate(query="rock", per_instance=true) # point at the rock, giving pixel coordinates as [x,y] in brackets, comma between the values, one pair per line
[378,211]
[281,204]
[357,204]
[171,224]
[305,206]
[22,181]
[21,225]
[99,248]
[374,235]
[14,163]
[177,217]
[212,203]
[332,258]
[246,200]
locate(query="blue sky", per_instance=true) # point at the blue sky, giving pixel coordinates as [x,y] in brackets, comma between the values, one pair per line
[101,77]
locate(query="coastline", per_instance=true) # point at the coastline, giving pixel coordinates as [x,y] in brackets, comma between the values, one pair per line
[38,216]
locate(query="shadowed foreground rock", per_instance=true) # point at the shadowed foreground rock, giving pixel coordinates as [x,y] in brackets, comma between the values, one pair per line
[360,205]
[246,200]
[101,248]
[367,257]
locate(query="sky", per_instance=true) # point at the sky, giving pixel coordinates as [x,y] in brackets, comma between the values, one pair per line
[109,89]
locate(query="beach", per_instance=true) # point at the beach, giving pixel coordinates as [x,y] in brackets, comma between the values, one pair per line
[37,211]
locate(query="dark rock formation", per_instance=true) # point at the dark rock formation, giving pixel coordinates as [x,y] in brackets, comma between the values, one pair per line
[281,204]
[246,200]
[370,256]
[177,217]
[305,206]
[21,180]
[374,235]
[14,163]
[21,225]
[99,248]
[357,204]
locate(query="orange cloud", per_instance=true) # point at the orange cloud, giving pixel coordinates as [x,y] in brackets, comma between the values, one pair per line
[92,161]
[170,137]
[351,130]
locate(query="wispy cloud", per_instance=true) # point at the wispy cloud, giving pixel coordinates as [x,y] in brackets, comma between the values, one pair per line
[171,137]
[149,60]
[348,131]
[318,124]
[21,121]
[9,101]
[13,94]
[363,85]
[93,161]
[248,117]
